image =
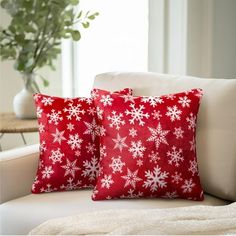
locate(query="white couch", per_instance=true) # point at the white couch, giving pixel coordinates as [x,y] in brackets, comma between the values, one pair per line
[21,211]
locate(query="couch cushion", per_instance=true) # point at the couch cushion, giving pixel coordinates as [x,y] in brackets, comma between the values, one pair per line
[21,215]
[216,131]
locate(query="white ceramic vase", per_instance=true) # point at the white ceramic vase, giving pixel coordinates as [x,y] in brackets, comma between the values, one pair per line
[23,102]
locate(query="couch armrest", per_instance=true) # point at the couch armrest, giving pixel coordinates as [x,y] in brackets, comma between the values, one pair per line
[17,172]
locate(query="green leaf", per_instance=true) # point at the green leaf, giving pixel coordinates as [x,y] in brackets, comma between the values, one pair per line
[85,24]
[76,35]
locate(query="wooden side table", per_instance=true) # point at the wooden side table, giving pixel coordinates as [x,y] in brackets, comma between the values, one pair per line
[10,124]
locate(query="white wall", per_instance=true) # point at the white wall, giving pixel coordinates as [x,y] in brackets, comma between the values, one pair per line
[197,37]
[11,83]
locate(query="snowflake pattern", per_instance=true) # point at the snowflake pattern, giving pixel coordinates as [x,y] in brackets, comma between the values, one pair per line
[155,179]
[193,167]
[133,132]
[106,100]
[93,129]
[74,141]
[70,168]
[174,113]
[153,101]
[154,157]
[191,121]
[56,156]
[158,135]
[116,120]
[176,178]
[136,114]
[91,169]
[178,133]
[116,164]
[184,101]
[137,149]
[69,143]
[74,111]
[54,117]
[107,181]
[188,186]
[131,178]
[47,172]
[175,157]
[119,142]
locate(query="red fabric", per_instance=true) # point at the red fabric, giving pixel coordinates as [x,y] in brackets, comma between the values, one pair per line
[149,148]
[69,143]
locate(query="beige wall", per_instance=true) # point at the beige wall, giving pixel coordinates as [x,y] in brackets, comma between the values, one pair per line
[11,83]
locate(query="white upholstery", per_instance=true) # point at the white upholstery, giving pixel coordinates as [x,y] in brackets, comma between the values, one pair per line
[23,214]
[216,129]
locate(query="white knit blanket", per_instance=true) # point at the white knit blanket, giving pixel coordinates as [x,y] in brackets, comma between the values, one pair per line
[185,220]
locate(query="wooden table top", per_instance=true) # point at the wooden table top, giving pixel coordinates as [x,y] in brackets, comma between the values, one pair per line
[10,124]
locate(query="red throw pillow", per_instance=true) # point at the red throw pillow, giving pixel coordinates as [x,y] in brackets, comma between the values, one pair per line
[69,143]
[149,147]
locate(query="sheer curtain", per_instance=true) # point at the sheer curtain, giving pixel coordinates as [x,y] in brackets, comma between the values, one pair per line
[116,41]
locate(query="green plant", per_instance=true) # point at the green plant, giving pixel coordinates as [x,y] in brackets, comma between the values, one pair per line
[34,34]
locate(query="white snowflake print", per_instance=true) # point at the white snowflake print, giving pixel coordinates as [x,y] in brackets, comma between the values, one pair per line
[102,130]
[192,145]
[54,117]
[58,136]
[70,127]
[137,149]
[132,132]
[36,97]
[74,111]
[41,127]
[171,195]
[136,114]
[91,169]
[156,115]
[48,189]
[70,185]
[184,101]
[91,111]
[199,93]
[139,163]
[70,168]
[176,178]
[91,148]
[158,135]
[116,164]
[77,153]
[47,101]
[56,156]
[116,120]
[155,179]
[119,142]
[94,94]
[103,151]
[128,98]
[39,112]
[178,133]
[92,129]
[170,96]
[191,121]
[42,147]
[36,181]
[193,167]
[107,181]
[154,157]
[47,172]
[131,194]
[106,100]
[153,101]
[175,157]
[99,113]
[174,113]
[188,186]
[131,178]
[74,141]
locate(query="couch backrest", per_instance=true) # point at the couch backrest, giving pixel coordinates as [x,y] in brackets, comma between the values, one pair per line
[216,129]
